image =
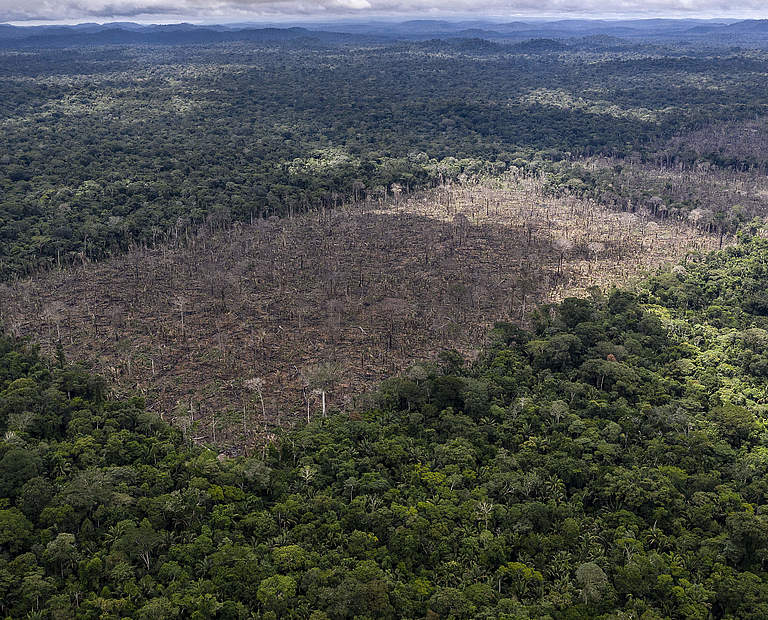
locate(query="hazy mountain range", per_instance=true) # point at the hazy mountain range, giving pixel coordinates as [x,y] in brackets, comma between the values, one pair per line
[127,33]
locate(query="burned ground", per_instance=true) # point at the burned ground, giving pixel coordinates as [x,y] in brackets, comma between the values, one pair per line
[371,288]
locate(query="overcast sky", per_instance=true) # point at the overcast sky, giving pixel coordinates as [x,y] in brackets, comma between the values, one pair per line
[165,11]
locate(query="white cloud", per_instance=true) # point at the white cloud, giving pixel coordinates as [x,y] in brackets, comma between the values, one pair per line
[202,10]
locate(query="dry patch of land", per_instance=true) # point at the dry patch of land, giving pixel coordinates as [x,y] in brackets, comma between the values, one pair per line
[224,326]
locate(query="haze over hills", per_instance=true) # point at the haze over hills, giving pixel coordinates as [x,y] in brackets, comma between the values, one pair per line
[125,33]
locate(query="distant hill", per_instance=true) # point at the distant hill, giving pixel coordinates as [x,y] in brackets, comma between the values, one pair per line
[540,45]
[751,26]
[174,34]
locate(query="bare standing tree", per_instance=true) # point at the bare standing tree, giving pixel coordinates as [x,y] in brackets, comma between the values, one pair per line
[397,189]
[180,302]
[320,378]
[257,385]
[54,313]
[118,321]
[357,187]
[461,227]
[562,246]
[484,512]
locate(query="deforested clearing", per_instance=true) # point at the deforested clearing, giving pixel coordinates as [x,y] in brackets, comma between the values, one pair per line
[239,319]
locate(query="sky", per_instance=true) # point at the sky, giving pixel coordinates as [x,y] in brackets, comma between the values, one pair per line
[221,11]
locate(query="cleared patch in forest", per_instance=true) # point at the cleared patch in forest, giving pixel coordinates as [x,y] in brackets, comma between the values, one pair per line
[223,333]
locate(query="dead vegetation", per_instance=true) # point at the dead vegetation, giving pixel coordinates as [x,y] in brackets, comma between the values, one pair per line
[711,198]
[742,144]
[253,326]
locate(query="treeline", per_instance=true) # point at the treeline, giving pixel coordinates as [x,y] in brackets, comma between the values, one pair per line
[716,200]
[609,462]
[96,219]
[108,147]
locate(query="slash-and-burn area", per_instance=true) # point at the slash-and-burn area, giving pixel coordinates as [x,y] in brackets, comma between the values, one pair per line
[240,328]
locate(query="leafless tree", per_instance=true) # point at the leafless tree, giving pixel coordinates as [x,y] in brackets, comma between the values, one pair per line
[320,378]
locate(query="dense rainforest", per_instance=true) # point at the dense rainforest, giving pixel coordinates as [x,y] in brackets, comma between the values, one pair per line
[610,462]
[114,145]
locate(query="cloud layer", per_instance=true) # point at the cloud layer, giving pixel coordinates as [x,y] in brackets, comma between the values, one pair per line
[228,10]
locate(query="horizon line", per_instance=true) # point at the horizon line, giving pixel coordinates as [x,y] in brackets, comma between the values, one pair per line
[388,19]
